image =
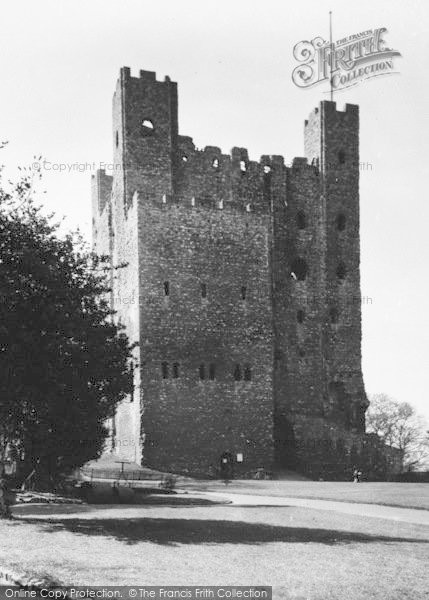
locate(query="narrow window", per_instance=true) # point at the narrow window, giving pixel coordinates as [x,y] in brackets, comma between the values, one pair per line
[237,373]
[184,158]
[301,221]
[247,373]
[202,371]
[243,167]
[166,288]
[215,163]
[212,371]
[164,370]
[333,315]
[243,292]
[299,269]
[203,290]
[176,370]
[341,271]
[341,157]
[300,316]
[341,222]
[267,182]
[117,139]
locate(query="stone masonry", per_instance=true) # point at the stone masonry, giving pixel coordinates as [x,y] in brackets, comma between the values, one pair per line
[242,289]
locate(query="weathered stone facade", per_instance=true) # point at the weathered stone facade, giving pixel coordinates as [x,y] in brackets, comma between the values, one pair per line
[242,289]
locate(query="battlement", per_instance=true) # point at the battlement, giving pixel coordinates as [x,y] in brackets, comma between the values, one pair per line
[328,107]
[303,170]
[213,158]
[144,76]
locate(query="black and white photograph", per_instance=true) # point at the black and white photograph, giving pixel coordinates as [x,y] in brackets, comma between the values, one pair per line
[214,330]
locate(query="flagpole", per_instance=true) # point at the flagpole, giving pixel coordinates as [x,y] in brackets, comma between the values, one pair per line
[330,55]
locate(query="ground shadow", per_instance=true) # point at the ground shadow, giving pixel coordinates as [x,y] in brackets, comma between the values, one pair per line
[203,531]
[22,510]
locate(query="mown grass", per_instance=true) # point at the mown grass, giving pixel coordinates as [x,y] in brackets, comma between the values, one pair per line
[302,553]
[409,495]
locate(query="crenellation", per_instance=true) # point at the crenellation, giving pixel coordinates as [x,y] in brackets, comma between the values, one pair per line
[299,162]
[148,75]
[277,161]
[125,73]
[213,150]
[144,76]
[239,154]
[302,169]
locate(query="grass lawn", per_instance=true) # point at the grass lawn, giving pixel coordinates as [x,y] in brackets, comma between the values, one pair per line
[302,553]
[410,495]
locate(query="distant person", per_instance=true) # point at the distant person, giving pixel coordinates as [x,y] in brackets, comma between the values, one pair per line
[357,474]
[226,468]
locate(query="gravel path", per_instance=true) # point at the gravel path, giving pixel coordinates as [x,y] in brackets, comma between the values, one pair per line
[406,515]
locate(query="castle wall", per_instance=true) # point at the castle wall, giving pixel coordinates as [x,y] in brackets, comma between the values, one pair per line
[242,289]
[126,301]
[189,422]
[197,220]
[328,451]
[298,278]
[116,239]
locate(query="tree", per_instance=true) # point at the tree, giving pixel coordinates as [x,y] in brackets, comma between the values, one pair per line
[64,364]
[399,426]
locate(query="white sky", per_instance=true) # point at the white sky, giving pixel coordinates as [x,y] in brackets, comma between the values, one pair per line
[233,62]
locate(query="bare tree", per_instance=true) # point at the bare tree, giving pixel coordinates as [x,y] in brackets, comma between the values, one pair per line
[400,426]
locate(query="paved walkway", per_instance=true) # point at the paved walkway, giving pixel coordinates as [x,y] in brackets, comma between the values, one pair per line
[406,515]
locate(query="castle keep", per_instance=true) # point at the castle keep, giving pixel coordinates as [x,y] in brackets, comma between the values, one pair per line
[242,289]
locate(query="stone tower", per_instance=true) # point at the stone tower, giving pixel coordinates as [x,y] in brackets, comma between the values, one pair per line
[320,397]
[241,287]
[332,142]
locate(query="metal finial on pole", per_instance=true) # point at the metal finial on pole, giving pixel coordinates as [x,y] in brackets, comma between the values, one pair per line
[330,55]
